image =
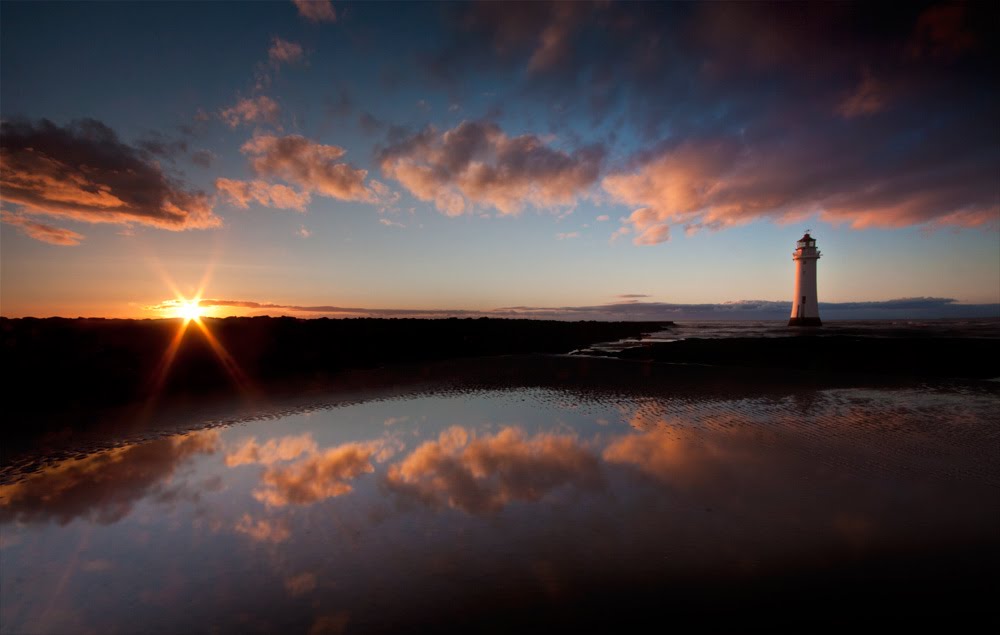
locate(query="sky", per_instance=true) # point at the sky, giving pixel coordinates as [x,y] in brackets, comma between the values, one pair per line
[565,160]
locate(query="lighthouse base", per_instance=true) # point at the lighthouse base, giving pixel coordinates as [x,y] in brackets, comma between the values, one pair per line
[797,321]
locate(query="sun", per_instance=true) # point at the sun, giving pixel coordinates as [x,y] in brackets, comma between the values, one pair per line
[190,310]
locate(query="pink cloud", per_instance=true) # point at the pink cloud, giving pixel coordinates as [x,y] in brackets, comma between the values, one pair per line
[316,10]
[41,231]
[722,183]
[83,172]
[312,166]
[260,109]
[242,193]
[567,235]
[476,165]
[284,52]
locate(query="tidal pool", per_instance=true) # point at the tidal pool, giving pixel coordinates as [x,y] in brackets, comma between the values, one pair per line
[520,509]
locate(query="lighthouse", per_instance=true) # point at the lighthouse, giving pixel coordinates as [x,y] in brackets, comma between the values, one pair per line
[805,306]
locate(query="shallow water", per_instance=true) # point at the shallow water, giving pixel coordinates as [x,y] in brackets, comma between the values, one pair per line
[514,509]
[988,328]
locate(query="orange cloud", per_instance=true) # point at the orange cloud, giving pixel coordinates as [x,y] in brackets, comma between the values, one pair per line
[83,172]
[476,164]
[260,109]
[264,530]
[316,10]
[273,450]
[242,193]
[323,475]
[41,231]
[483,475]
[284,52]
[102,486]
[310,165]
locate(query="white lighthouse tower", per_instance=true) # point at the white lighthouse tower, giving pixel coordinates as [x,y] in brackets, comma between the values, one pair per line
[805,306]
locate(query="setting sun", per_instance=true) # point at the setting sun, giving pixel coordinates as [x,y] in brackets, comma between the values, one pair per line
[190,310]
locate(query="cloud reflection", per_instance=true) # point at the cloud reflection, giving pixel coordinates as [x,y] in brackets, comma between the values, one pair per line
[317,477]
[272,451]
[102,487]
[485,474]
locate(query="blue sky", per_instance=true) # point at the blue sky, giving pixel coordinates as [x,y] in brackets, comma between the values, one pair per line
[480,156]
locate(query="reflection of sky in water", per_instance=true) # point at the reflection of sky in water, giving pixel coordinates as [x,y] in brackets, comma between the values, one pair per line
[404,510]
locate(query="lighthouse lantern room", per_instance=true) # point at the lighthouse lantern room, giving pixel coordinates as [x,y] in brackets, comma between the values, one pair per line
[805,305]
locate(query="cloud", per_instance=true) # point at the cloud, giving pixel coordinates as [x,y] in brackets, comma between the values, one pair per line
[303,232]
[259,109]
[943,31]
[567,236]
[103,486]
[300,584]
[264,530]
[868,99]
[41,231]
[203,158]
[632,295]
[390,223]
[723,182]
[326,474]
[603,218]
[312,166]
[242,193]
[159,145]
[485,474]
[272,451]
[284,52]
[767,103]
[316,10]
[475,164]
[83,172]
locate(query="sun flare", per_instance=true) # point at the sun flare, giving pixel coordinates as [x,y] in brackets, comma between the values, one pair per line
[190,310]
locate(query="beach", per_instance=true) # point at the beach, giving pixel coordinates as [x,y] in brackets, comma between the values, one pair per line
[529,492]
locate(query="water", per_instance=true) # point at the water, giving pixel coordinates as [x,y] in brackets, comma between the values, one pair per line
[721,329]
[515,509]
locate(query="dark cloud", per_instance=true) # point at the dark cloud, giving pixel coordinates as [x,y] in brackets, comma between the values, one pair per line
[202,158]
[340,106]
[156,144]
[84,172]
[632,295]
[370,124]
